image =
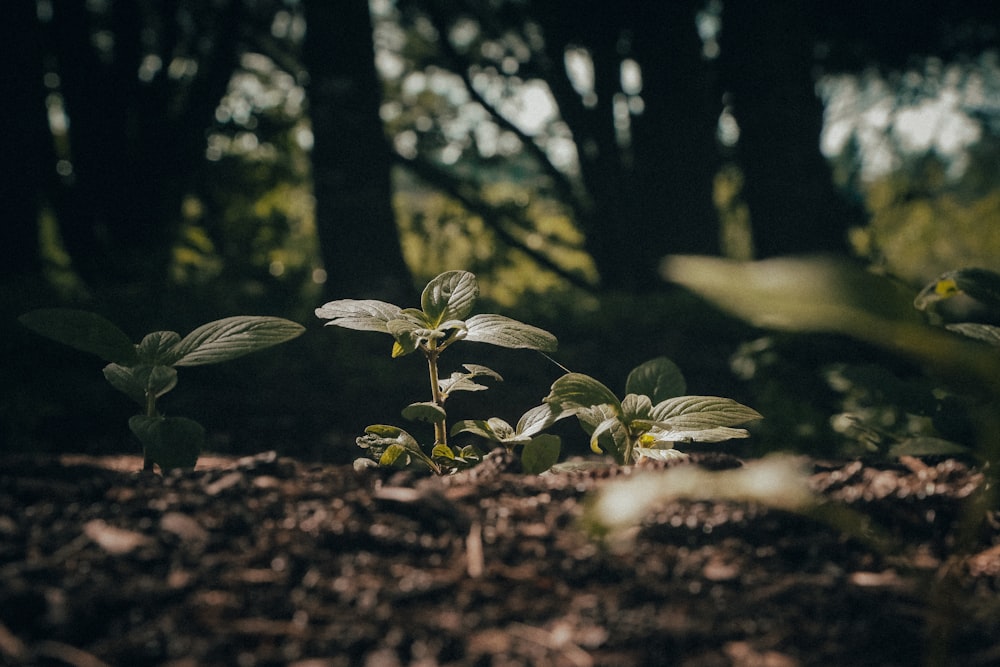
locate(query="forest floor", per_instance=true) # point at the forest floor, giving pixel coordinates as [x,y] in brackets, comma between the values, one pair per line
[267,560]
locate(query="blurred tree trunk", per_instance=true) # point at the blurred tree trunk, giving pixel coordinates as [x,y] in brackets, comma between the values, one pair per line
[650,187]
[768,59]
[135,144]
[27,155]
[359,239]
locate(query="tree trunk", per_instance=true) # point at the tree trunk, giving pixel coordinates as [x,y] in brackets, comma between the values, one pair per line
[27,154]
[650,193]
[768,60]
[359,239]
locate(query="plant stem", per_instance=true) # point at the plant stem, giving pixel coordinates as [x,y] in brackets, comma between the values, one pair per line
[440,427]
[147,462]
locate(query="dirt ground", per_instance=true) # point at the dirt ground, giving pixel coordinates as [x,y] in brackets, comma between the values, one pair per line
[266,560]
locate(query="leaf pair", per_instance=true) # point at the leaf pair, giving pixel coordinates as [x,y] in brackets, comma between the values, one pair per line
[541,451]
[146,371]
[651,417]
[443,318]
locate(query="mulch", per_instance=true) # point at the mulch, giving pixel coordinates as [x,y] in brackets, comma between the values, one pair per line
[267,560]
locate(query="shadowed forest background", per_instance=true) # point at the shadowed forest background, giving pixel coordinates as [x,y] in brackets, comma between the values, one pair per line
[170,163]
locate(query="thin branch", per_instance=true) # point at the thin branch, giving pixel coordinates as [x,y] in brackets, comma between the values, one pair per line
[450,186]
[460,66]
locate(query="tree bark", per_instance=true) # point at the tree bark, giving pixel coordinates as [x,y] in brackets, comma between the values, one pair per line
[769,64]
[359,239]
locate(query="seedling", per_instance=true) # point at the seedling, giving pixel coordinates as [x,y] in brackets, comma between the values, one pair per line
[442,320]
[147,371]
[653,416]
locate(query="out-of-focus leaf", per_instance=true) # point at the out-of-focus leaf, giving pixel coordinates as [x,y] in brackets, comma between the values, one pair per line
[984,332]
[82,330]
[927,446]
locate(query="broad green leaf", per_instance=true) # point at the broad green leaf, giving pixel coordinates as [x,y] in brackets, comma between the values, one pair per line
[449,296]
[575,391]
[540,454]
[361,315]
[123,379]
[156,348]
[424,412]
[658,378]
[476,427]
[82,330]
[394,455]
[692,413]
[505,332]
[233,337]
[535,420]
[442,452]
[984,332]
[170,442]
[635,407]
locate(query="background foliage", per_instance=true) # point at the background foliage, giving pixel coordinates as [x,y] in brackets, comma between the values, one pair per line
[176,162]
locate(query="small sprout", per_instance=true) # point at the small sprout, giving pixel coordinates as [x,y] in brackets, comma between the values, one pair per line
[443,319]
[651,418]
[147,371]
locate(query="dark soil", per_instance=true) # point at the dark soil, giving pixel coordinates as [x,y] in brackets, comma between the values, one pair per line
[270,561]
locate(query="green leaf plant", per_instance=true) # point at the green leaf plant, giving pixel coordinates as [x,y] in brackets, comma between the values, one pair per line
[443,319]
[147,371]
[653,416]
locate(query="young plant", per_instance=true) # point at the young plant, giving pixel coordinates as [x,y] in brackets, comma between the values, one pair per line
[442,320]
[147,371]
[653,416]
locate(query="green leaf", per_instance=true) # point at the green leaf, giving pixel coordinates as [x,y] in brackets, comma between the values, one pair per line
[505,332]
[442,452]
[476,427]
[635,407]
[449,296]
[716,434]
[984,332]
[83,331]
[575,391]
[123,379]
[926,446]
[535,420]
[540,454]
[658,378]
[170,442]
[395,455]
[424,412]
[233,337]
[607,426]
[156,348]
[139,381]
[362,315]
[692,413]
